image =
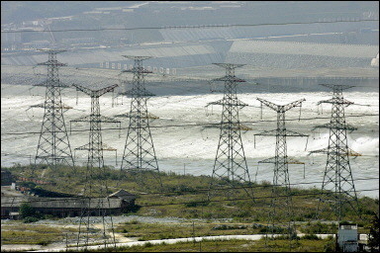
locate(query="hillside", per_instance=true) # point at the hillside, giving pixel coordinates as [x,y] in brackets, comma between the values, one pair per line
[184,198]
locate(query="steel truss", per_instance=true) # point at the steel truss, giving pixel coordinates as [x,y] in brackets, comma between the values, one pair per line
[230,163]
[338,180]
[53,144]
[281,198]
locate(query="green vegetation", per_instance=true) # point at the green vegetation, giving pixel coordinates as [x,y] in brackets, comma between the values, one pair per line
[153,231]
[277,245]
[186,196]
[21,233]
[230,211]
[28,214]
[26,210]
[374,234]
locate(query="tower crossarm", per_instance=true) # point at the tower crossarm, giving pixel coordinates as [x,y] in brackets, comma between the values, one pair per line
[275,132]
[337,87]
[288,133]
[137,70]
[134,115]
[337,126]
[52,59]
[103,147]
[288,160]
[42,105]
[52,63]
[102,119]
[229,79]
[291,133]
[229,102]
[137,57]
[281,108]
[52,51]
[49,83]
[267,133]
[348,152]
[338,101]
[229,66]
[138,67]
[137,93]
[95,93]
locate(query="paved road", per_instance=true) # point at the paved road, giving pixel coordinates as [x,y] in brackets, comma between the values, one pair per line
[172,241]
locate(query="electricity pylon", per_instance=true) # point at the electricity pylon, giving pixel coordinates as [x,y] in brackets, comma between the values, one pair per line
[281,194]
[338,181]
[53,144]
[139,153]
[230,163]
[95,146]
[96,188]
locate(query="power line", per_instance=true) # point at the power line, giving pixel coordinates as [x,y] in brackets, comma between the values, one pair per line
[191,124]
[186,27]
[53,144]
[256,198]
[230,162]
[223,200]
[338,171]
[139,152]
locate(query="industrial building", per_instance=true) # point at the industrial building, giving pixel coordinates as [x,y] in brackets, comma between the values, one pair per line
[13,196]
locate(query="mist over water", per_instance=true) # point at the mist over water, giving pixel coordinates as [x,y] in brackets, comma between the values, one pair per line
[186,144]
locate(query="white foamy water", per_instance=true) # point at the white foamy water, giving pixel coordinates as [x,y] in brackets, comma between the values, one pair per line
[184,144]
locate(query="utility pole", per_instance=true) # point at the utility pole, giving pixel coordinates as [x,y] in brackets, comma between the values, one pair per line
[53,144]
[281,194]
[139,153]
[230,162]
[338,182]
[95,194]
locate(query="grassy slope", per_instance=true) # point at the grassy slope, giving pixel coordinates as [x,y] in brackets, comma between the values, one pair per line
[186,197]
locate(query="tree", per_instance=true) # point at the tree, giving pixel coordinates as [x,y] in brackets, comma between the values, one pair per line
[374,234]
[26,210]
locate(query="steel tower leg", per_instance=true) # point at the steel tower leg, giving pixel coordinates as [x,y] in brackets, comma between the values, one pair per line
[338,183]
[139,153]
[53,144]
[95,202]
[230,163]
[281,207]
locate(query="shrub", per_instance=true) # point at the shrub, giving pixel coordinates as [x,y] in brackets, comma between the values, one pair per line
[310,237]
[26,210]
[43,243]
[329,246]
[148,244]
[30,219]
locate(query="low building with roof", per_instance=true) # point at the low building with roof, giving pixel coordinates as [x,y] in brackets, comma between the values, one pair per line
[115,204]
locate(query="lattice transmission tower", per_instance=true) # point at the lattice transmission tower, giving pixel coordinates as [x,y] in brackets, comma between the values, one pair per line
[139,153]
[338,180]
[95,146]
[230,162]
[281,208]
[95,200]
[53,144]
